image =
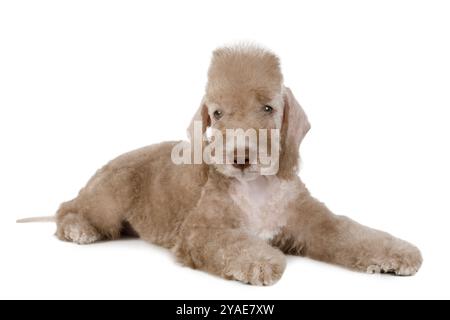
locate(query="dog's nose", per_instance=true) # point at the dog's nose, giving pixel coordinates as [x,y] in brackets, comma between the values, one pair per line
[241,161]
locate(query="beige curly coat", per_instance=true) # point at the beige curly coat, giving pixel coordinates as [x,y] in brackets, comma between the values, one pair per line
[236,228]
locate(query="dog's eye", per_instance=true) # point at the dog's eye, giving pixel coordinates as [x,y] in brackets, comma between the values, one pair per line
[218,114]
[268,109]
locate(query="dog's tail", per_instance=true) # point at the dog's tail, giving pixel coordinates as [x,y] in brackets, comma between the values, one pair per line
[37,219]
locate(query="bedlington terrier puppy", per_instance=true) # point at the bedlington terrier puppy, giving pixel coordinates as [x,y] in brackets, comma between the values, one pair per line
[229,206]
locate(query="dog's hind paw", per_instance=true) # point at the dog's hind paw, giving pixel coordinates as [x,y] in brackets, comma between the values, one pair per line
[76,229]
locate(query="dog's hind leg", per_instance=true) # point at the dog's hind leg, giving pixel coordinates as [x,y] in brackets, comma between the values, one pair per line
[100,210]
[83,221]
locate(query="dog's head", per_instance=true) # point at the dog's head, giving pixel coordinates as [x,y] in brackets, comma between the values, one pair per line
[251,113]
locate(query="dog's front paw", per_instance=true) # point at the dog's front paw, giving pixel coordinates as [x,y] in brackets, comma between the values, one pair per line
[263,270]
[402,259]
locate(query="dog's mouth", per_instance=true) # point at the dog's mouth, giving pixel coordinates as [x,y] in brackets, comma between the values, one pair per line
[243,164]
[242,168]
[247,173]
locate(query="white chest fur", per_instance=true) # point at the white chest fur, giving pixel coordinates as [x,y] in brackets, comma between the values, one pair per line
[263,202]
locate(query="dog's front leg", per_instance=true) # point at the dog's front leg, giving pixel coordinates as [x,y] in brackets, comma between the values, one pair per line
[316,232]
[230,253]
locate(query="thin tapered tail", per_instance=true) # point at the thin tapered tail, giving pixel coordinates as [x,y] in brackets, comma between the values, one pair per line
[37,219]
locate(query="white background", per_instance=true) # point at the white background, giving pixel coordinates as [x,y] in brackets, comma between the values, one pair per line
[84,81]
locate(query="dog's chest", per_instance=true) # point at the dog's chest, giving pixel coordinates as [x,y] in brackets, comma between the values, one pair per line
[263,202]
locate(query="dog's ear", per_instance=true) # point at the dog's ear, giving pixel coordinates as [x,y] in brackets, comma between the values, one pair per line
[200,120]
[293,130]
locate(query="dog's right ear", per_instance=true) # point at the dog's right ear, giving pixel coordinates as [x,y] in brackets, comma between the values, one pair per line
[201,120]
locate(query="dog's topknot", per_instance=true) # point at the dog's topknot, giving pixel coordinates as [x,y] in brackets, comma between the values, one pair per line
[243,66]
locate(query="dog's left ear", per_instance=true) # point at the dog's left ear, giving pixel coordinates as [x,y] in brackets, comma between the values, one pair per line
[200,120]
[293,130]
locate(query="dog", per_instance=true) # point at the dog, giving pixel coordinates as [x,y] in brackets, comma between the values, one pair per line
[230,218]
